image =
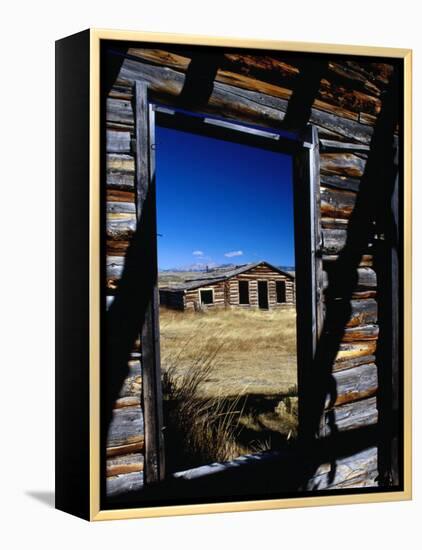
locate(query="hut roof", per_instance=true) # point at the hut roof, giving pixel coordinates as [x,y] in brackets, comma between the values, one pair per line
[218,275]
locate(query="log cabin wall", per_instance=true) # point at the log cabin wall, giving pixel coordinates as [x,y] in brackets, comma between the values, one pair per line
[193,301]
[261,273]
[343,98]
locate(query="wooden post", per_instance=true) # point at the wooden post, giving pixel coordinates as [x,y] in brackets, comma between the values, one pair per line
[150,333]
[309,272]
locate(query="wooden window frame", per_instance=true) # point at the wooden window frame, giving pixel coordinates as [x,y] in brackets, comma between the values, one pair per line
[303,146]
[200,298]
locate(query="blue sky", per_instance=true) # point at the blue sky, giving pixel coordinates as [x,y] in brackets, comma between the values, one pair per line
[221,202]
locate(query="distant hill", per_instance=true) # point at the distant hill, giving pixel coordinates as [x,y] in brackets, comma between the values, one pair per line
[198,267]
[203,268]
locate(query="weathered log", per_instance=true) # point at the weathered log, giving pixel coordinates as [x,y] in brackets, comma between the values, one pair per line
[121,90]
[366,278]
[120,111]
[334,146]
[120,163]
[353,362]
[336,203]
[366,260]
[117,195]
[349,129]
[132,387]
[126,427]
[125,464]
[123,484]
[354,78]
[334,223]
[375,72]
[120,171]
[275,70]
[333,240]
[116,248]
[340,182]
[118,142]
[349,351]
[122,402]
[351,99]
[126,449]
[342,164]
[350,416]
[358,470]
[353,384]
[238,103]
[367,332]
[117,207]
[120,227]
[364,294]
[363,312]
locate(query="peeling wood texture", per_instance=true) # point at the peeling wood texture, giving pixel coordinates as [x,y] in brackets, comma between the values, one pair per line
[358,470]
[350,416]
[354,384]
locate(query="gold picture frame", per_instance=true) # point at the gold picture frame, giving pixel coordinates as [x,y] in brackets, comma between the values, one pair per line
[94,511]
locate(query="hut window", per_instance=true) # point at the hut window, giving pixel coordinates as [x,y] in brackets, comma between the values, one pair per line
[281,291]
[243,292]
[206,296]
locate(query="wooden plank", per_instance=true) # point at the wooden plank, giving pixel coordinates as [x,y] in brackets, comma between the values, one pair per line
[118,142]
[126,427]
[239,104]
[124,484]
[366,260]
[309,275]
[362,312]
[120,171]
[340,182]
[353,362]
[353,350]
[351,416]
[361,333]
[120,111]
[117,195]
[124,464]
[137,446]
[342,164]
[150,333]
[366,278]
[356,470]
[334,240]
[353,384]
[120,228]
[336,203]
[119,207]
[336,146]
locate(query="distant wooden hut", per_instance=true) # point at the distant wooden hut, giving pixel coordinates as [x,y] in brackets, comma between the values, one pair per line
[256,285]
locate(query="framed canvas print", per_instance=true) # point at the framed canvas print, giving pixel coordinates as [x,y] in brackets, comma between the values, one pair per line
[233,274]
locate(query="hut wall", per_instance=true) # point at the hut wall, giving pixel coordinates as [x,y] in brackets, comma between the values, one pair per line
[193,302]
[125,437]
[260,273]
[345,109]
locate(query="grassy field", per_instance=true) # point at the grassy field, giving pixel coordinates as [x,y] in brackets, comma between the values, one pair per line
[230,378]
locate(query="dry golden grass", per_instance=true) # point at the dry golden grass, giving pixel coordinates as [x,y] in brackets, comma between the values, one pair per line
[253,350]
[229,381]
